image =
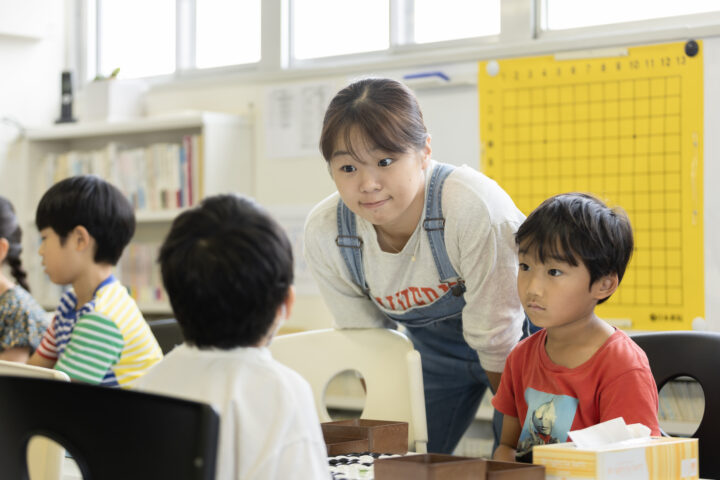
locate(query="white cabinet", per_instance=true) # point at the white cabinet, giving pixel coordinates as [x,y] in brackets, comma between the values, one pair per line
[144,158]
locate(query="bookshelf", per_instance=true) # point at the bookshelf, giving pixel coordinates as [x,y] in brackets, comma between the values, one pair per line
[163,164]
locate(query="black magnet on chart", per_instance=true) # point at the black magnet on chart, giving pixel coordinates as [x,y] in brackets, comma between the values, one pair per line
[692,48]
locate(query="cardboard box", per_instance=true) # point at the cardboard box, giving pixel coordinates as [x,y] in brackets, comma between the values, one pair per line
[382,436]
[654,458]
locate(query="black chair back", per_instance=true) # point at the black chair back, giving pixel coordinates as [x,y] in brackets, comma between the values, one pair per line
[697,355]
[167,332]
[112,434]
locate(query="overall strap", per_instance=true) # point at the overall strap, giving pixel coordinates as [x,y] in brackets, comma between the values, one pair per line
[351,245]
[434,225]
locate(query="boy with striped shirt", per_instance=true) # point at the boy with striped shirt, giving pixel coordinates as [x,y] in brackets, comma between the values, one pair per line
[98,334]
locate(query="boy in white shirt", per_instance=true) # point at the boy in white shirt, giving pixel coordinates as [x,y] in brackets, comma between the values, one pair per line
[227,267]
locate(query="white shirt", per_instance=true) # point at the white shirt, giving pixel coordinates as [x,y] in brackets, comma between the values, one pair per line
[480,225]
[269,428]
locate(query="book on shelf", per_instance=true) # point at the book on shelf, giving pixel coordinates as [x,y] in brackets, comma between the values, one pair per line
[681,401]
[160,176]
[137,270]
[140,273]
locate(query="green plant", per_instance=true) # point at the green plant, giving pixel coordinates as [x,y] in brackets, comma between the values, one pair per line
[112,75]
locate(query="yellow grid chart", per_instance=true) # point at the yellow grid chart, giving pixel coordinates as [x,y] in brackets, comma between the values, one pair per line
[627,129]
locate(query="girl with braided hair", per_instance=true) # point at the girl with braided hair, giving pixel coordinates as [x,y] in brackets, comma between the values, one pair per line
[22,320]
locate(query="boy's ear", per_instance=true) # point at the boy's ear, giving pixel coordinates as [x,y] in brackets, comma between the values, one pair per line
[605,286]
[289,302]
[82,239]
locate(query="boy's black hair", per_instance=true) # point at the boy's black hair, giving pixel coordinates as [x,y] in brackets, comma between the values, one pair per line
[91,202]
[227,267]
[573,225]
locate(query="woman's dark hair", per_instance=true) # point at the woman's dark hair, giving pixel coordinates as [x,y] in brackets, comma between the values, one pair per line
[10,230]
[573,225]
[385,112]
[227,267]
[91,202]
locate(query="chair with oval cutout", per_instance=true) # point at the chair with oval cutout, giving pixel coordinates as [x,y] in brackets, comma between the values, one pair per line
[692,354]
[386,359]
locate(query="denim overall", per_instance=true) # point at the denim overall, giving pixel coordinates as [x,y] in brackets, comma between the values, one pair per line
[453,378]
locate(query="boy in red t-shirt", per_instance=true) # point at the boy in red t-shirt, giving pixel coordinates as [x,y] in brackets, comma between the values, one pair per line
[578,371]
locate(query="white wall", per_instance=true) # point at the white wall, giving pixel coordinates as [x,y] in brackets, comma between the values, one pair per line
[32,53]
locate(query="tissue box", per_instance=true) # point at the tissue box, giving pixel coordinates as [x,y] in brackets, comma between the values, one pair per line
[111,100]
[381,436]
[652,458]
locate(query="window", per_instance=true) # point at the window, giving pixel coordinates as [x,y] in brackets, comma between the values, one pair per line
[436,21]
[227,32]
[200,33]
[136,36]
[187,37]
[176,37]
[323,28]
[565,14]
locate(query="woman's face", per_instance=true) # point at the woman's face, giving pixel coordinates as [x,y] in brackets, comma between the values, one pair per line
[387,189]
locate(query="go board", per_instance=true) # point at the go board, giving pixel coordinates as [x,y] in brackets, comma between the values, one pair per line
[626,127]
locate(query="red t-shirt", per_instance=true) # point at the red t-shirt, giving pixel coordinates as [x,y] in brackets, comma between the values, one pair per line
[551,400]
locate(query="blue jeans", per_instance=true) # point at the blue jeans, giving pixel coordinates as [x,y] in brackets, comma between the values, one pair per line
[454,382]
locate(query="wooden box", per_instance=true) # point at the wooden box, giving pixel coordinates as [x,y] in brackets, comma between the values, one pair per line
[430,466]
[514,471]
[382,436]
[340,445]
[449,467]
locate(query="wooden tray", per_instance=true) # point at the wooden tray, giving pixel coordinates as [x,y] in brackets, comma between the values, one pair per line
[448,467]
[382,436]
[514,471]
[430,466]
[341,445]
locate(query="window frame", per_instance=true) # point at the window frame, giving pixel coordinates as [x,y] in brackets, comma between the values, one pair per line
[521,35]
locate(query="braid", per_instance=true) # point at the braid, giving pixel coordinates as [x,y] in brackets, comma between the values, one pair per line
[10,230]
[18,272]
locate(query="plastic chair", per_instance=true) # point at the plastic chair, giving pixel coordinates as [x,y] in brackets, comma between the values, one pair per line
[693,354]
[45,458]
[112,434]
[167,332]
[387,361]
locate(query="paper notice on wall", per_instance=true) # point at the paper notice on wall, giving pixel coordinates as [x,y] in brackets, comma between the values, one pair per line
[293,118]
